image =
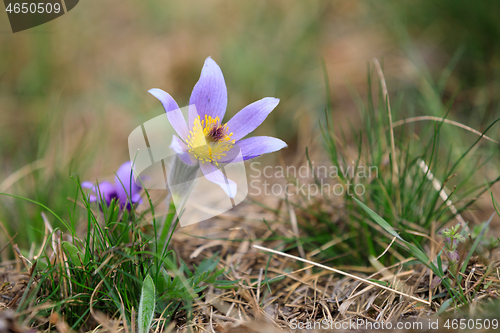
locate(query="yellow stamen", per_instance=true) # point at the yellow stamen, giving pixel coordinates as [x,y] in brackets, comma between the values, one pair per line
[208,140]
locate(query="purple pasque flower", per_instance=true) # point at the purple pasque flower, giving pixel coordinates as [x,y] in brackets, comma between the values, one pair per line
[123,188]
[205,140]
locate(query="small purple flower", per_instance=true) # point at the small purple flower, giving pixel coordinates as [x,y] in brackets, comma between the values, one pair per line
[447,240]
[205,140]
[452,256]
[123,188]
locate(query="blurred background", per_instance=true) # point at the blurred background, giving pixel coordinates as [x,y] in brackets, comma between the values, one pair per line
[73,89]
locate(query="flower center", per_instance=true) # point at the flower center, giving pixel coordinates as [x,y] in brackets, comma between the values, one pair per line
[208,140]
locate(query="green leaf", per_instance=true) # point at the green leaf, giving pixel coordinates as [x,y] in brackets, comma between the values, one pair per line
[440,263]
[146,305]
[383,283]
[73,253]
[207,265]
[421,256]
[380,221]
[444,306]
[225,284]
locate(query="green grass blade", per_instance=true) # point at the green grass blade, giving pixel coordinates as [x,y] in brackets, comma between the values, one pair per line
[413,249]
[446,304]
[380,221]
[39,204]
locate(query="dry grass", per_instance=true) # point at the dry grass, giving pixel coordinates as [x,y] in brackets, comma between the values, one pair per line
[299,293]
[307,295]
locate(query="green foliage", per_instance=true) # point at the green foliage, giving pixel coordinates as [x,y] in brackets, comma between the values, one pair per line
[405,198]
[73,253]
[116,268]
[404,201]
[146,305]
[454,24]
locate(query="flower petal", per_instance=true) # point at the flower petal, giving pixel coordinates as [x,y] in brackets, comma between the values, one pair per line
[124,183]
[216,176]
[253,147]
[104,190]
[136,198]
[210,94]
[181,149]
[87,185]
[250,117]
[174,114]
